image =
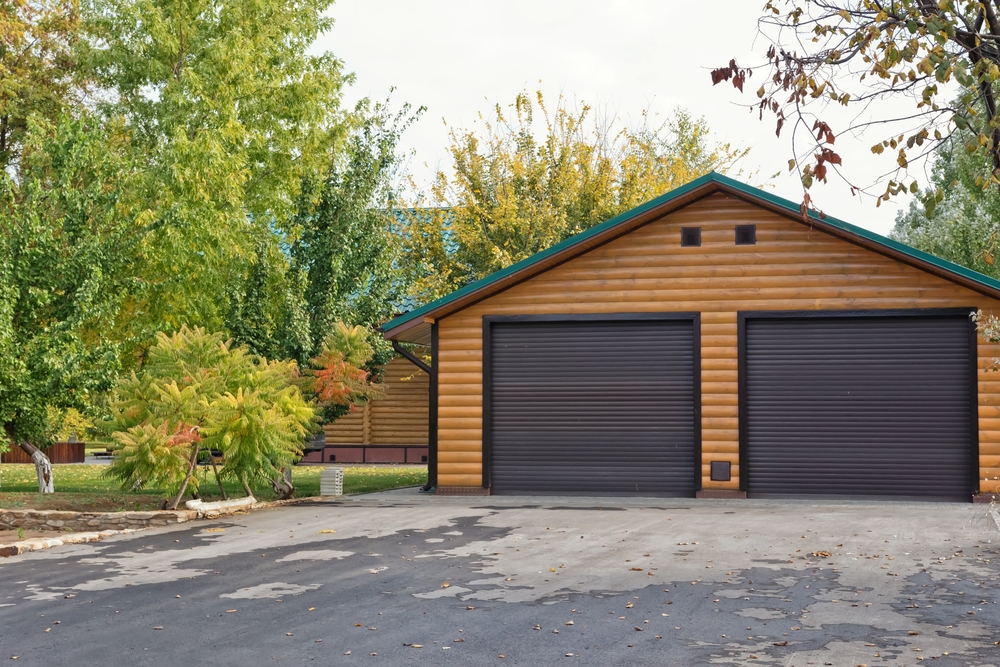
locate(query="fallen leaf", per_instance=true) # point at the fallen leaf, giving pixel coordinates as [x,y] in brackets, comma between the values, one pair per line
[657,637]
[552,569]
[469,608]
[312,608]
[48,629]
[417,645]
[637,629]
[347,652]
[319,641]
[458,641]
[230,611]
[288,634]
[327,531]
[215,530]
[781,643]
[753,657]
[357,625]
[635,569]
[569,622]
[502,655]
[537,627]
[373,628]
[913,632]
[445,585]
[629,605]
[372,653]
[157,627]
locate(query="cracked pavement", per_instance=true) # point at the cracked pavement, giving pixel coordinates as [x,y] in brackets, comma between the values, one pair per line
[395,577]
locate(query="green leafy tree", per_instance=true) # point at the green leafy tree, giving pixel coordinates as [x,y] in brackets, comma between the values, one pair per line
[40,70]
[532,176]
[962,226]
[345,248]
[868,55]
[64,264]
[198,393]
[227,110]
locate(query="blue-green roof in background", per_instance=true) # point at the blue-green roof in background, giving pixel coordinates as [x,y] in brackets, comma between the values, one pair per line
[728,183]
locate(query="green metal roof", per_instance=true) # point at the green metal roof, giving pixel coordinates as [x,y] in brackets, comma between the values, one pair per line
[707,179]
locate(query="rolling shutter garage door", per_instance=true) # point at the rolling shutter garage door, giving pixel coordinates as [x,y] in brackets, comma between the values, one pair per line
[859,406]
[593,407]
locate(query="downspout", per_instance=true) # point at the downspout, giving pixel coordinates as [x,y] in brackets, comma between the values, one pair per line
[432,450]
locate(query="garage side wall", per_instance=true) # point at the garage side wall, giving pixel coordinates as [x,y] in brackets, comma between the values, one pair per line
[791,267]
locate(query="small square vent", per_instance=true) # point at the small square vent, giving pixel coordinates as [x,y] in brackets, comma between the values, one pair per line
[721,471]
[746,234]
[690,236]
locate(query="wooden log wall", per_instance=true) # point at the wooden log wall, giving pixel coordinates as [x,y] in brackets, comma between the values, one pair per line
[58,452]
[399,418]
[792,267]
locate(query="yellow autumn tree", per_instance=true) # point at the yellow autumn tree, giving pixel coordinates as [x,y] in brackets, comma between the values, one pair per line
[531,176]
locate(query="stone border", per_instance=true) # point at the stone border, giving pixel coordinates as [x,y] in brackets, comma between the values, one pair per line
[58,520]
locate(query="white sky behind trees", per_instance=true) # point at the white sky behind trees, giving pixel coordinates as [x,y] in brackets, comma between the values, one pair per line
[459,58]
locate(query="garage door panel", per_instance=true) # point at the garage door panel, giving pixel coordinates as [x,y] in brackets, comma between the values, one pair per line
[593,407]
[859,406]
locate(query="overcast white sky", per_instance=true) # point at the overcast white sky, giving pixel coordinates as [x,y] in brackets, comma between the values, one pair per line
[458,58]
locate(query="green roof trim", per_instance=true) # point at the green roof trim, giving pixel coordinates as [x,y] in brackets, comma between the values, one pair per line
[712,177]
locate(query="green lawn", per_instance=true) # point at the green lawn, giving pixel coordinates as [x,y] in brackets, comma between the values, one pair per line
[83,487]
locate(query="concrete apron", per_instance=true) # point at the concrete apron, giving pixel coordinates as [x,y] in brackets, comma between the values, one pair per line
[810,566]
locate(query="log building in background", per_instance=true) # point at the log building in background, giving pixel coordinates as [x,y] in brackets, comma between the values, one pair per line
[392,429]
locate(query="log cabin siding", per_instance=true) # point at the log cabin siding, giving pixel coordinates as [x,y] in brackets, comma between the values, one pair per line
[399,418]
[793,266]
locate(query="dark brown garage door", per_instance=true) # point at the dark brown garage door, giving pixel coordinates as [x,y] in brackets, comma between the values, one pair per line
[591,407]
[858,406]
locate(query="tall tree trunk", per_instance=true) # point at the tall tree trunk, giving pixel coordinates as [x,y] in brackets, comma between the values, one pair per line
[187,478]
[43,467]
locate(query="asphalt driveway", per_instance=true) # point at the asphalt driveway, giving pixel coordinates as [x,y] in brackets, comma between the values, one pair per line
[390,578]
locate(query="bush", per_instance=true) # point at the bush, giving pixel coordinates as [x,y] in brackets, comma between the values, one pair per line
[198,393]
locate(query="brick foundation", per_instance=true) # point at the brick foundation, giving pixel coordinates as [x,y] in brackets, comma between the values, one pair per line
[462,491]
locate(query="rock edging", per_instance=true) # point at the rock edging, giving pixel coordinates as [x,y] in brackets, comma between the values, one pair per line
[59,520]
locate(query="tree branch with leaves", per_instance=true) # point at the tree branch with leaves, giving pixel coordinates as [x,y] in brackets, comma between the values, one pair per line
[943,57]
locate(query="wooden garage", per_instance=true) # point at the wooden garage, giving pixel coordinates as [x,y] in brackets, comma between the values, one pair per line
[714,342]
